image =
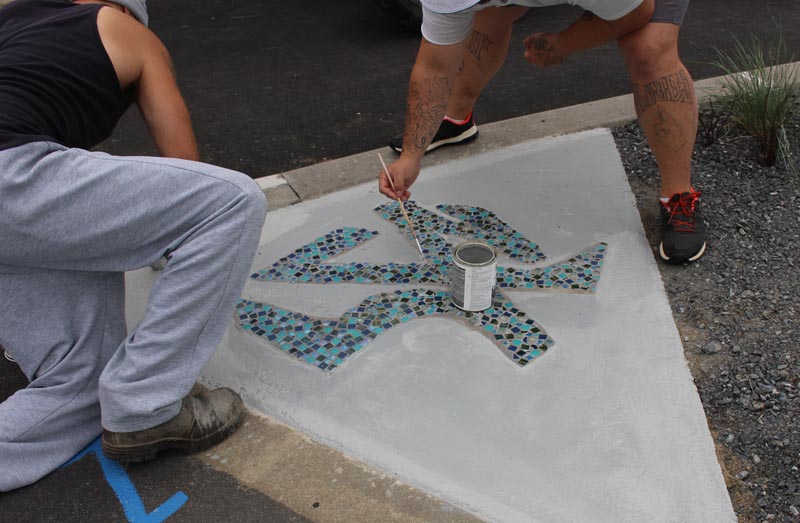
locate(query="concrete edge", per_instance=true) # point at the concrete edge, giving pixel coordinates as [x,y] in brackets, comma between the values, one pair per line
[320,483]
[317,180]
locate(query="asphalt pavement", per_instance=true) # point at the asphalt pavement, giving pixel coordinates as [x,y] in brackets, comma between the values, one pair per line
[275,86]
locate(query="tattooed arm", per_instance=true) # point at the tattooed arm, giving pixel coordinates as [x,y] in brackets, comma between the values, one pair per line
[546,49]
[428,92]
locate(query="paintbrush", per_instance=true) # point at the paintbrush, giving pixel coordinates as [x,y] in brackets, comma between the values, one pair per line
[402,207]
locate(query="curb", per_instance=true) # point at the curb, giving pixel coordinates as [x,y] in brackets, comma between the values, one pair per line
[314,181]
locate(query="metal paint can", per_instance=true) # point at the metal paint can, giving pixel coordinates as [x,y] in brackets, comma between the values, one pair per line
[473,276]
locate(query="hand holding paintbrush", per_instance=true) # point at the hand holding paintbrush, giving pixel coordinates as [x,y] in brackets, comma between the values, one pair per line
[402,207]
[404,173]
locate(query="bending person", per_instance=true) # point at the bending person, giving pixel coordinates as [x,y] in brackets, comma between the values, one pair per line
[465,42]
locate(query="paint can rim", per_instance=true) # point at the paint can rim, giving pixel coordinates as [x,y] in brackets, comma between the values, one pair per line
[458,259]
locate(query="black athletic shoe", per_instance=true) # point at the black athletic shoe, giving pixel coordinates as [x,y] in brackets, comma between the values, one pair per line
[449,133]
[683,230]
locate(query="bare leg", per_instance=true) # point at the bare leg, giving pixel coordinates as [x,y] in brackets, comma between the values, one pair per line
[487,48]
[665,101]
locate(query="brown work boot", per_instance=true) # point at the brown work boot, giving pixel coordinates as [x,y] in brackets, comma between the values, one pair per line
[205,419]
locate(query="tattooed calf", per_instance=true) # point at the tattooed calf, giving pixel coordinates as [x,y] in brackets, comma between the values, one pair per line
[669,131]
[672,88]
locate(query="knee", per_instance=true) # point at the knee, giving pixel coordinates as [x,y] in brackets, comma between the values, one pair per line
[648,57]
[256,200]
[234,194]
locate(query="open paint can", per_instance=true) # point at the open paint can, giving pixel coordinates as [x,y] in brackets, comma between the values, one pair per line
[473,276]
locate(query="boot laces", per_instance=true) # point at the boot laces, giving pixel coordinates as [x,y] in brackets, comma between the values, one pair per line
[681,211]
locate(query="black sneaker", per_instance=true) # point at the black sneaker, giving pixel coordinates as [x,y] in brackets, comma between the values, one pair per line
[449,133]
[683,230]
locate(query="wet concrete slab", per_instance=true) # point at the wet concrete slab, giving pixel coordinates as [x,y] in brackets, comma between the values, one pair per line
[603,424]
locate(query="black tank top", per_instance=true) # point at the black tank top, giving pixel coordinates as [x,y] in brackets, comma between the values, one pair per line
[57,82]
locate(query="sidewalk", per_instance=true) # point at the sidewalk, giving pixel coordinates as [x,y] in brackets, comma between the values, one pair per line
[593,438]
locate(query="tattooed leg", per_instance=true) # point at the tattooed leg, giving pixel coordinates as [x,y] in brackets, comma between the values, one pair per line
[664,97]
[487,47]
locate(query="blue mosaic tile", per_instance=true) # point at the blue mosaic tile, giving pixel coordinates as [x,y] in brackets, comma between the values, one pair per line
[326,344]
[308,263]
[579,273]
[475,223]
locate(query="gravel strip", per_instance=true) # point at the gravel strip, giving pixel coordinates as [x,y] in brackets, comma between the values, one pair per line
[736,310]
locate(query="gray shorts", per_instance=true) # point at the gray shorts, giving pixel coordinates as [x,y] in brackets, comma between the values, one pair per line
[670,11]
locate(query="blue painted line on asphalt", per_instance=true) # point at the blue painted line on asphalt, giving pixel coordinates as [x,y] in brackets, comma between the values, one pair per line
[126,492]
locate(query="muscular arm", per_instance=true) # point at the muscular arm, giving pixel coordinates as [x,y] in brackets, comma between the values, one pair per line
[428,93]
[143,63]
[163,108]
[588,31]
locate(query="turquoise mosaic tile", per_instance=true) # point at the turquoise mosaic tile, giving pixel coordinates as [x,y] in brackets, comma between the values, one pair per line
[327,343]
[475,223]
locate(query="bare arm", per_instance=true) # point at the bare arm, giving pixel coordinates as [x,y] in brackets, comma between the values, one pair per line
[142,62]
[428,93]
[164,110]
[545,49]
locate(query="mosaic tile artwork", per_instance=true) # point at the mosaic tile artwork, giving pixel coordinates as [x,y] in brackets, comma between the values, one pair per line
[327,343]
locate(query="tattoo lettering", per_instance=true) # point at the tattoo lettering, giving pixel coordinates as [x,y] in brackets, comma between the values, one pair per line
[668,130]
[477,43]
[672,88]
[540,43]
[427,103]
[545,51]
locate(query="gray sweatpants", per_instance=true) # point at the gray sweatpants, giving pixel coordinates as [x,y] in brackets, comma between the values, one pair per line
[71,223]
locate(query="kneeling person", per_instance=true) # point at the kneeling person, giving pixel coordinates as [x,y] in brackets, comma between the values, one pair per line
[74,221]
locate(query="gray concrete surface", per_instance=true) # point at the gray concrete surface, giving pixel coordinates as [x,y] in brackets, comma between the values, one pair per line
[606,426]
[320,483]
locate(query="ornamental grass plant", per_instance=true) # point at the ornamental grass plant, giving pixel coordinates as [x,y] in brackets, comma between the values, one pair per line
[758,94]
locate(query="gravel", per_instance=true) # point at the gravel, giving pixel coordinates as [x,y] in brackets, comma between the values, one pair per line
[736,309]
